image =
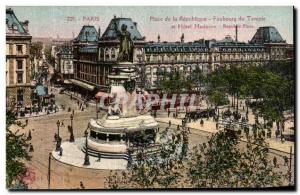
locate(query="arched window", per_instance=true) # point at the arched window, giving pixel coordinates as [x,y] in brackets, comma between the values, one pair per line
[113,53]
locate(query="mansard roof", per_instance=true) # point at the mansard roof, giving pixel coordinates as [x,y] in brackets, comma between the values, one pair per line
[87,34]
[65,50]
[115,26]
[267,34]
[13,25]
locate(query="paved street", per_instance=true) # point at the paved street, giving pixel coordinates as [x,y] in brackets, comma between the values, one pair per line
[65,176]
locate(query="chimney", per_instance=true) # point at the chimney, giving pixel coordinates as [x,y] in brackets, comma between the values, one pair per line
[182,38]
[115,16]
[158,38]
[25,25]
[135,24]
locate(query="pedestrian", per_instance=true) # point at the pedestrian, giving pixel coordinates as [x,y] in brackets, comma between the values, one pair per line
[73,112]
[31,148]
[275,161]
[286,161]
[168,113]
[81,185]
[62,123]
[217,125]
[178,127]
[29,137]
[169,123]
[201,122]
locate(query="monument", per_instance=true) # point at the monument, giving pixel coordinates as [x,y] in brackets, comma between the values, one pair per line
[123,128]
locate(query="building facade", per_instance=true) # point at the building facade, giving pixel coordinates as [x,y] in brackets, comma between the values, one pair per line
[94,54]
[18,39]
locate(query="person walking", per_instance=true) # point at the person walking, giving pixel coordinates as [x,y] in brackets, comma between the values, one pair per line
[275,161]
[286,161]
[201,122]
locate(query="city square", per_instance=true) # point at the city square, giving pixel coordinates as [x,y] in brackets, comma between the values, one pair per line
[112,110]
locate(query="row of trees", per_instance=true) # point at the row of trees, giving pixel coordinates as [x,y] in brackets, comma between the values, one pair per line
[221,162]
[270,86]
[270,89]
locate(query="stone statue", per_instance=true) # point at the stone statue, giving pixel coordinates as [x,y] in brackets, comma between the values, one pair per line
[126,45]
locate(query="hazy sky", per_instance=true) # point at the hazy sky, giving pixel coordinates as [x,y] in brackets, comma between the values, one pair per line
[62,21]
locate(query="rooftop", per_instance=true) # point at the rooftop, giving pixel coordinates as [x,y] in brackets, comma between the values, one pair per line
[267,34]
[13,25]
[115,26]
[87,34]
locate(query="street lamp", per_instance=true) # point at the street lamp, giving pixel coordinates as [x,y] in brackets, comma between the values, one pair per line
[71,129]
[58,139]
[86,158]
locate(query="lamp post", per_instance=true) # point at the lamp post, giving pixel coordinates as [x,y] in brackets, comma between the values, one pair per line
[86,158]
[71,130]
[58,140]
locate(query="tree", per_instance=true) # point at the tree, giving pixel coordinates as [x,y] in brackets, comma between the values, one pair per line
[158,170]
[218,98]
[223,162]
[16,152]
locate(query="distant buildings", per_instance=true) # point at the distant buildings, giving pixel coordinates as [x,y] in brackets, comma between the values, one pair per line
[18,39]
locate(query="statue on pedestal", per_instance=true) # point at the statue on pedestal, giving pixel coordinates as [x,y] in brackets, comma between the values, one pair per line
[126,45]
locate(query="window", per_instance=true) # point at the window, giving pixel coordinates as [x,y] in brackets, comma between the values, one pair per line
[20,49]
[20,95]
[19,77]
[19,64]
[10,49]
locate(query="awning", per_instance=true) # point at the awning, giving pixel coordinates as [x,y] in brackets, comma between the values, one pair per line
[82,84]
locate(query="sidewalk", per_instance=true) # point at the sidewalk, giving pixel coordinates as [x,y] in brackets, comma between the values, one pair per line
[210,127]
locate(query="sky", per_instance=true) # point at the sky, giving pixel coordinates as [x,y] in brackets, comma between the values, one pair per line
[212,22]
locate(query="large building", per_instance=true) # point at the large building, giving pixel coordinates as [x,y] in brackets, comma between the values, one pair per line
[94,54]
[18,39]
